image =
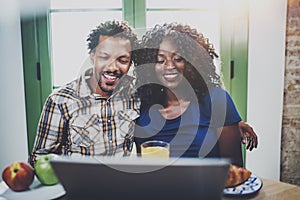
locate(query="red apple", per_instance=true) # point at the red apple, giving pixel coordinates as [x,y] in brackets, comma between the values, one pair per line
[18,176]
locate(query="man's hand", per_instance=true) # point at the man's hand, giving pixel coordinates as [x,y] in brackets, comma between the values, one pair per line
[249,137]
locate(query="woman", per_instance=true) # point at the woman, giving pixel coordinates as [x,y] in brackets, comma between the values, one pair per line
[183,102]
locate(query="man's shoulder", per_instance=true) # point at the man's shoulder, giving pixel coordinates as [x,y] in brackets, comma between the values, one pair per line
[127,86]
[65,93]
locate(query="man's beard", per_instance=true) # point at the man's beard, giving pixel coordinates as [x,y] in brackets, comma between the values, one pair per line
[102,87]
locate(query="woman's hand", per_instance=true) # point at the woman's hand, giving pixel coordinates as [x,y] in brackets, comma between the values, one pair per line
[249,137]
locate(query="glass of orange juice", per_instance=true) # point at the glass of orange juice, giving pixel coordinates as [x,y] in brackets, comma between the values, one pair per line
[155,149]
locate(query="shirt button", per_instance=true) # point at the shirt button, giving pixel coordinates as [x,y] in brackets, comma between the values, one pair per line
[110,141]
[108,120]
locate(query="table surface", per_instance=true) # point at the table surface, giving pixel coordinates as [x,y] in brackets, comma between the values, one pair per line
[271,190]
[274,190]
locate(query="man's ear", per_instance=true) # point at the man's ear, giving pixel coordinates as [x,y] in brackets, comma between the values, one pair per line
[92,56]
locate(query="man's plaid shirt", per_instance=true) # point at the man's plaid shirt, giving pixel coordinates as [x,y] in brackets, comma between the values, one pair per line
[75,120]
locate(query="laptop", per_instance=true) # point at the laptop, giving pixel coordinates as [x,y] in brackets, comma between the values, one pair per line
[140,178]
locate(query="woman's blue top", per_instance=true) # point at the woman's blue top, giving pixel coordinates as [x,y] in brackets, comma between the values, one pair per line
[194,133]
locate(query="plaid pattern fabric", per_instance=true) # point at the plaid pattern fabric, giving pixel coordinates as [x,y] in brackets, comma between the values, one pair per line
[74,120]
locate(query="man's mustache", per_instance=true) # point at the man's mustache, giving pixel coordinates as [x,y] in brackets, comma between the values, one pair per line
[115,73]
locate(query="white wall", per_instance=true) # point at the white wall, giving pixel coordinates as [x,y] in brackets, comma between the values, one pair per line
[13,139]
[265,84]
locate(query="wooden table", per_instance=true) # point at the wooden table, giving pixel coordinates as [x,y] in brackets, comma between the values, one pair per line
[273,190]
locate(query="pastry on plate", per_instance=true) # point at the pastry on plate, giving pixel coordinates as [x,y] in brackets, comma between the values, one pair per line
[237,175]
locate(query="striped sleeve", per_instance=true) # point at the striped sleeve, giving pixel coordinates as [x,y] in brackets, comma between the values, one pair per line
[49,131]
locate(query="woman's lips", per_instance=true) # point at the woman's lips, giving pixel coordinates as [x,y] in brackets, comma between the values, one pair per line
[170,76]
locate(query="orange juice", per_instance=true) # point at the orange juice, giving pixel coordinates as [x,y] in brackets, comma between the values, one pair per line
[155,152]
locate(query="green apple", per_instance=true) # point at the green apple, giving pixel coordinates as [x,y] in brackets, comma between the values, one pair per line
[44,170]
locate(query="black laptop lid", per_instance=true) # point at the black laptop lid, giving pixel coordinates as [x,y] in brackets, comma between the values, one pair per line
[137,178]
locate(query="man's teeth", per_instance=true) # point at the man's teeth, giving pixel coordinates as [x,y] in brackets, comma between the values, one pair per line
[109,77]
[170,75]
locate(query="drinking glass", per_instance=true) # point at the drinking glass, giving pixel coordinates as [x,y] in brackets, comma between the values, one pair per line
[155,149]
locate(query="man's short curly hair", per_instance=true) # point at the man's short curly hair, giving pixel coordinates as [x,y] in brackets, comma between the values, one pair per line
[196,50]
[118,29]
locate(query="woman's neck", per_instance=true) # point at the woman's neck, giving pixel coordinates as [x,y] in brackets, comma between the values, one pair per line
[175,105]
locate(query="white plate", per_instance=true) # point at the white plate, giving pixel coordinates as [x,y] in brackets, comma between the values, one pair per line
[36,191]
[251,186]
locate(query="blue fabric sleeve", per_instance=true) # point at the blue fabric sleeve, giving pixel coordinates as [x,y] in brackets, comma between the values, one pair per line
[223,110]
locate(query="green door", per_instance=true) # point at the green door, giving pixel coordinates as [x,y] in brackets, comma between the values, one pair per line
[37,69]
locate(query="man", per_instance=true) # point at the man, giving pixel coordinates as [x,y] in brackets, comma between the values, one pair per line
[95,113]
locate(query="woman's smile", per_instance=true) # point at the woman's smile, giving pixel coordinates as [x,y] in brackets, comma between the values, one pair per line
[171,76]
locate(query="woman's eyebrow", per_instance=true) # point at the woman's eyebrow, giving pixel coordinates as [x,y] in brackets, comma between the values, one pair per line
[173,54]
